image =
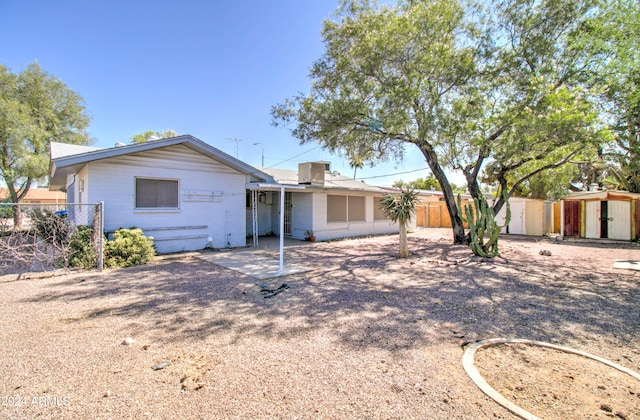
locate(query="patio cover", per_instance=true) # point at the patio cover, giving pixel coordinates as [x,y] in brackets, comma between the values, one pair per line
[258,186]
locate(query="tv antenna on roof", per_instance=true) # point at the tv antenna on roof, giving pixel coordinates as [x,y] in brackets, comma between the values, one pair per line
[235,140]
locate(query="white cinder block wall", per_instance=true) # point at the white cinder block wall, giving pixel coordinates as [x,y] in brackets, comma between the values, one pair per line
[334,230]
[224,217]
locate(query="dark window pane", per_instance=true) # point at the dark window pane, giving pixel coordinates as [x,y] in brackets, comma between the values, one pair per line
[156,193]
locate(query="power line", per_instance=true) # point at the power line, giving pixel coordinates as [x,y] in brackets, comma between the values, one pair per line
[359,179]
[291,158]
[393,174]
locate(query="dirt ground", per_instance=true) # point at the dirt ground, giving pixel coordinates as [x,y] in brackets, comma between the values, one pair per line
[364,334]
[556,384]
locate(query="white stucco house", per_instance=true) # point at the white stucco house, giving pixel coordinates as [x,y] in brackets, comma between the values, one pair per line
[182,191]
[318,200]
[188,195]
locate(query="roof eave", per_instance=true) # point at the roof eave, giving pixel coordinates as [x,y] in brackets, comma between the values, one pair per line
[58,164]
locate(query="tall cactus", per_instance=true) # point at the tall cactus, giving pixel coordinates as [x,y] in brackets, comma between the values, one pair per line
[482,223]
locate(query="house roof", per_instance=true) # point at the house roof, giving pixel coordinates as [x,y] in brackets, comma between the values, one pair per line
[67,159]
[63,149]
[332,181]
[36,194]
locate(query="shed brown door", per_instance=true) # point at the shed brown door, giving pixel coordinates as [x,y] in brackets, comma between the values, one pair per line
[572,219]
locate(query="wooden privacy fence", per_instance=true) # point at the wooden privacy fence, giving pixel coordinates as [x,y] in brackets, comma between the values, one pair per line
[435,214]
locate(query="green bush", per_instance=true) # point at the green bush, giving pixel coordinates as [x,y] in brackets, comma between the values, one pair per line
[82,251]
[129,247]
[6,212]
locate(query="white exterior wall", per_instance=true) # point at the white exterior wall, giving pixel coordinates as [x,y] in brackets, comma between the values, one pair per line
[275,214]
[324,230]
[517,223]
[309,212]
[301,214]
[534,220]
[526,217]
[82,185]
[82,215]
[113,181]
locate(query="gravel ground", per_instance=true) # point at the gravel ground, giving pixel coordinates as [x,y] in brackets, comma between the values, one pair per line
[362,335]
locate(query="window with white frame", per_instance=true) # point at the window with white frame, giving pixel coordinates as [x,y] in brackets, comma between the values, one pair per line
[154,193]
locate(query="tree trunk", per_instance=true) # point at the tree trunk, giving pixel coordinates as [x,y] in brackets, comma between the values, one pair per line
[15,196]
[459,237]
[17,217]
[404,246]
[472,185]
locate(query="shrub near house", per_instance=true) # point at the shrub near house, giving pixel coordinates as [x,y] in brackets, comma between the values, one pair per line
[129,247]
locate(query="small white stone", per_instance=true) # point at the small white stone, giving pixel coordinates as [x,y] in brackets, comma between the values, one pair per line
[128,341]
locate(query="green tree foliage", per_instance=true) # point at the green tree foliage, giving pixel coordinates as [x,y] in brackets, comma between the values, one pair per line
[401,208]
[613,34]
[384,82]
[150,135]
[428,184]
[35,108]
[468,85]
[545,113]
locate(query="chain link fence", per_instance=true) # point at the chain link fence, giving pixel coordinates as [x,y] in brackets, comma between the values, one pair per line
[47,237]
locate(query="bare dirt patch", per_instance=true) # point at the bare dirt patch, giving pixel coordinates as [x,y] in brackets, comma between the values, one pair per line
[549,383]
[363,335]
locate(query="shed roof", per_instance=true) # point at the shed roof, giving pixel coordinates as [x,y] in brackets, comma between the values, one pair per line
[603,195]
[68,159]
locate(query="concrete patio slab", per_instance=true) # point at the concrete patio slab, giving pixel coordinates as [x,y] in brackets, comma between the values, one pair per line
[251,263]
[627,265]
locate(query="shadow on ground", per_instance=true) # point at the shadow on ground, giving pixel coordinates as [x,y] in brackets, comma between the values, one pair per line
[367,297]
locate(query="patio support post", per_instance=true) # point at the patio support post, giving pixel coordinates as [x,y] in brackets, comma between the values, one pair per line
[254,216]
[281,229]
[272,187]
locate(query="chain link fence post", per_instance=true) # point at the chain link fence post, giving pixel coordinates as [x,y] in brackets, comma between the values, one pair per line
[99,233]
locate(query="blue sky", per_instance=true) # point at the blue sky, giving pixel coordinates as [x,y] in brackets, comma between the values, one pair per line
[212,69]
